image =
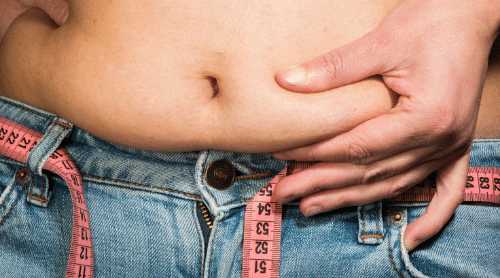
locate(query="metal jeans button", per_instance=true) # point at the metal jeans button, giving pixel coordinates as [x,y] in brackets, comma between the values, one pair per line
[220,174]
[397,217]
[23,175]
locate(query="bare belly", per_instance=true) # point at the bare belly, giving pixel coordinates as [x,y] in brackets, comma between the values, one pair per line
[189,75]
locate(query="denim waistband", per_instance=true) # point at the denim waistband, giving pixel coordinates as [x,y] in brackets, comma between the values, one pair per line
[172,173]
[178,173]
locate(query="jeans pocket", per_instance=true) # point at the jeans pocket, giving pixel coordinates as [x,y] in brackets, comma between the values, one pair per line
[465,247]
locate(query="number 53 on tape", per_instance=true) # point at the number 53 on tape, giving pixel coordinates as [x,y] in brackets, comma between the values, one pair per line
[262,228]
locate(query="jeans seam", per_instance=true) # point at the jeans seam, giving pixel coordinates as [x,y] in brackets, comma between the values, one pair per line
[363,236]
[193,208]
[486,140]
[11,209]
[201,180]
[146,186]
[240,201]
[212,245]
[10,159]
[256,174]
[213,198]
[364,225]
[63,124]
[389,244]
[39,199]
[12,188]
[376,219]
[27,109]
[401,246]
[377,236]
[211,250]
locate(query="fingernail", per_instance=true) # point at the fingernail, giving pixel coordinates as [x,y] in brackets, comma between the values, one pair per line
[61,12]
[313,210]
[294,75]
[411,244]
[65,17]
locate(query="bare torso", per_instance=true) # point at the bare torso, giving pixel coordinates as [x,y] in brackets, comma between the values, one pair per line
[145,74]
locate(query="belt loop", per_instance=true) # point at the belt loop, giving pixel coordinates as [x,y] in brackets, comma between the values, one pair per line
[370,223]
[39,193]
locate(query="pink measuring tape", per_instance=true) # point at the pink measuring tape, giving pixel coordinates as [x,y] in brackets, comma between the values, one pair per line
[16,141]
[262,227]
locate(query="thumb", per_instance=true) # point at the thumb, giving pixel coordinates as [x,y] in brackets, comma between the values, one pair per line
[57,10]
[450,194]
[347,64]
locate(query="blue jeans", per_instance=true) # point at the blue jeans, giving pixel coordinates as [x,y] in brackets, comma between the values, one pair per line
[147,219]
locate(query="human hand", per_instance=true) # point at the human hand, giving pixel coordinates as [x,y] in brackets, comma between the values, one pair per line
[434,54]
[58,10]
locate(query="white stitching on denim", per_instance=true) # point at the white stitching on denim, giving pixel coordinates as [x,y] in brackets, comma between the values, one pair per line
[212,245]
[364,225]
[389,244]
[12,188]
[27,109]
[376,219]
